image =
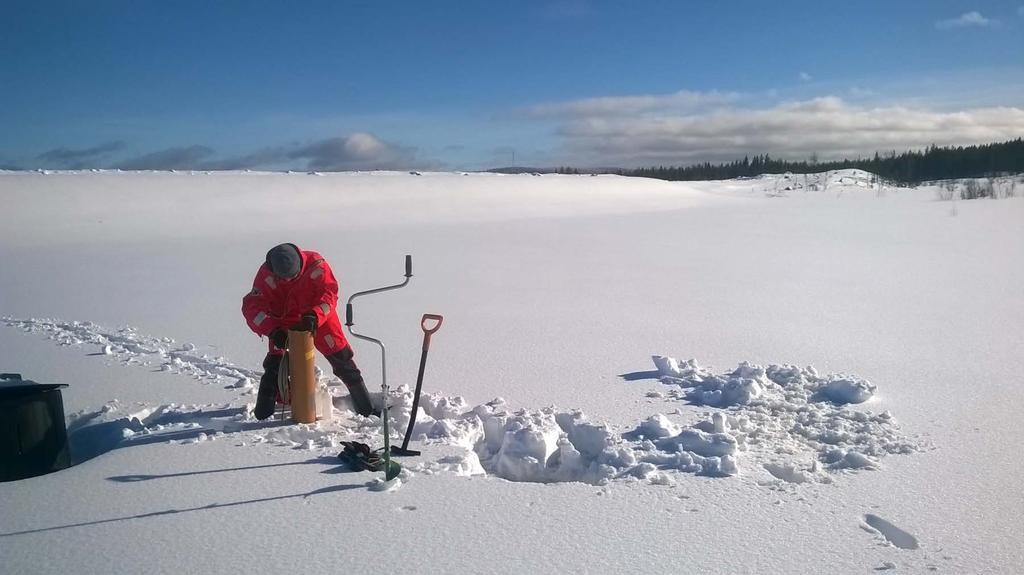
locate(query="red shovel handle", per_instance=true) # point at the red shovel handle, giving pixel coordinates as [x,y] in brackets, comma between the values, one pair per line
[427,330]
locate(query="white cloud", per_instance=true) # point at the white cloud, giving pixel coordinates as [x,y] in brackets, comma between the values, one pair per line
[805,77]
[184,157]
[79,158]
[966,20]
[681,101]
[359,151]
[827,126]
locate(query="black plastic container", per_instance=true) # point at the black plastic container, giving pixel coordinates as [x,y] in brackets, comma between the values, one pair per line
[33,436]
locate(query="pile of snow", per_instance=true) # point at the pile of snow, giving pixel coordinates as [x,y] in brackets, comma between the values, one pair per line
[547,446]
[785,412]
[747,383]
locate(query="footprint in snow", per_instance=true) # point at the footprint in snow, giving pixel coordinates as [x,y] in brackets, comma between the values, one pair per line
[890,532]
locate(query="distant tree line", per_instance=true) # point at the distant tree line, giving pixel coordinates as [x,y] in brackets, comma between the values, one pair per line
[933,163]
[559,170]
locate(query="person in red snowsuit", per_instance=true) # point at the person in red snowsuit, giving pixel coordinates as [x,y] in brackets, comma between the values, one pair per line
[296,290]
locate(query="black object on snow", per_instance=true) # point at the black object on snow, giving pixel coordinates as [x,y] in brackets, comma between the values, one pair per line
[33,436]
[360,457]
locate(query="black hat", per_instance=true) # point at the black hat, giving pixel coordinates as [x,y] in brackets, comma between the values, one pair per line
[284,260]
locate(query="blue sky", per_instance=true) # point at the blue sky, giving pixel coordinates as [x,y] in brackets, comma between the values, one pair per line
[464,85]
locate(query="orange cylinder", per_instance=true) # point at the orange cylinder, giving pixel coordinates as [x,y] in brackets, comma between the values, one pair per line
[302,371]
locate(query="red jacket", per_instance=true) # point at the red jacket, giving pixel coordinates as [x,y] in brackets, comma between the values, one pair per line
[275,303]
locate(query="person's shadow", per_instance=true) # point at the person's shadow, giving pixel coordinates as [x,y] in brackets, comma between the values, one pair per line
[336,467]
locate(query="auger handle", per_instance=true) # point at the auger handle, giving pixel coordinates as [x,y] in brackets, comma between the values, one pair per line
[348,306]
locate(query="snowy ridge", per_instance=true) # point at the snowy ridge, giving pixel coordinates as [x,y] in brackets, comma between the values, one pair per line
[787,420]
[839,182]
[847,183]
[856,183]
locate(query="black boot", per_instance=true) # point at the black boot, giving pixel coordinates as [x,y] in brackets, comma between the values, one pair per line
[266,397]
[346,369]
[360,398]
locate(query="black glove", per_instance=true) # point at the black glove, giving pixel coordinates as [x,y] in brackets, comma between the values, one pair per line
[279,338]
[307,323]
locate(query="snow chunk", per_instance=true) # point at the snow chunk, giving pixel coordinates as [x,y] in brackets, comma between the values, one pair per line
[848,390]
[855,460]
[438,406]
[720,392]
[466,464]
[671,367]
[526,446]
[657,426]
[725,466]
[383,486]
[788,472]
[705,444]
[590,439]
[667,365]
[660,478]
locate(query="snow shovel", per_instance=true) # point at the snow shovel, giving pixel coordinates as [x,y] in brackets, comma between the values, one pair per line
[391,468]
[427,332]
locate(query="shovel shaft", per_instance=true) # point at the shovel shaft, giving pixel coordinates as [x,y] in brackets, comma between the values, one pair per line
[428,330]
[416,398]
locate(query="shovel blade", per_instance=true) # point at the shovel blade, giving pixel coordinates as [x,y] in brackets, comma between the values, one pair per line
[396,450]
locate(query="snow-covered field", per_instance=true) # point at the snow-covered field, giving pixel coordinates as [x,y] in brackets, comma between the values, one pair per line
[632,375]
